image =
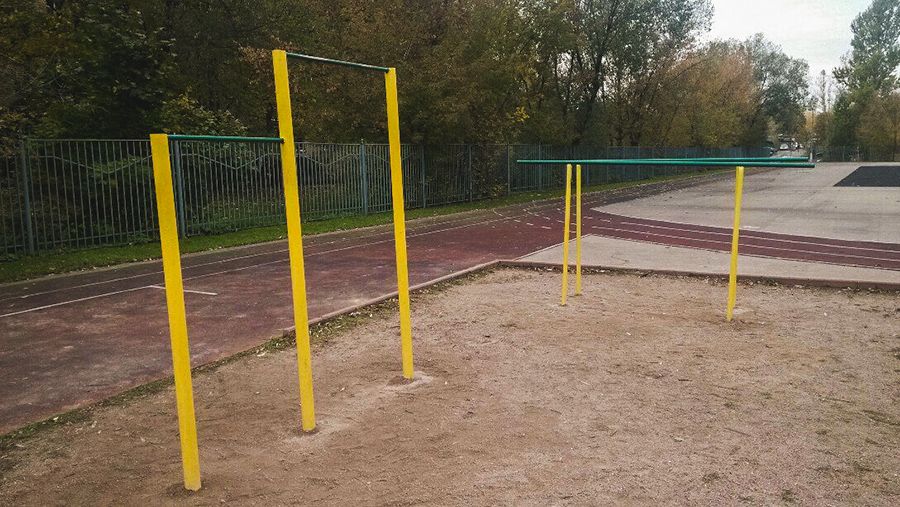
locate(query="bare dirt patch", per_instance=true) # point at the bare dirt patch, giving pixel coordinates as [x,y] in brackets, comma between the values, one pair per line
[637,392]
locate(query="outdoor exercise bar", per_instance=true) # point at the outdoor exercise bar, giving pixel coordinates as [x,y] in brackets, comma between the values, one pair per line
[244,139]
[319,59]
[675,162]
[736,159]
[280,60]
[738,163]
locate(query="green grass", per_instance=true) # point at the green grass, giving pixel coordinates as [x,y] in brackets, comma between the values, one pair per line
[28,267]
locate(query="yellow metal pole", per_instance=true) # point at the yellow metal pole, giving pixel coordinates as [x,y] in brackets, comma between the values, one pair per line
[578,230]
[393,124]
[566,234]
[181,354]
[295,238]
[732,274]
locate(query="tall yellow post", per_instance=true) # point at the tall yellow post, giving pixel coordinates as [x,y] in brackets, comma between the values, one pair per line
[578,230]
[567,224]
[181,354]
[393,124]
[732,274]
[295,238]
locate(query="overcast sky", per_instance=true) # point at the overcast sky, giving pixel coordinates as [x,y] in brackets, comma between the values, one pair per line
[816,30]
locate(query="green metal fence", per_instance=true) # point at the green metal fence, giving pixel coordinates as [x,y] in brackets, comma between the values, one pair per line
[854,154]
[81,193]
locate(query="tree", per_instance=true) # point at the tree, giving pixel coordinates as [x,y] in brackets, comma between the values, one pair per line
[869,70]
[879,126]
[100,69]
[589,72]
[782,86]
[598,62]
[708,98]
[824,92]
[875,54]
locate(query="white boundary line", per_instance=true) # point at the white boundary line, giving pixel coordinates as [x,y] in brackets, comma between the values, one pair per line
[189,291]
[601,228]
[728,235]
[219,261]
[743,229]
[599,210]
[242,268]
[74,301]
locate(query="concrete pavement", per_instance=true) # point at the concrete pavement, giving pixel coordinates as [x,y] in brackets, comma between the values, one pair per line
[789,201]
[618,253]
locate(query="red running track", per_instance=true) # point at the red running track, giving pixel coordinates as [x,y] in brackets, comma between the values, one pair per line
[764,244]
[69,341]
[867,254]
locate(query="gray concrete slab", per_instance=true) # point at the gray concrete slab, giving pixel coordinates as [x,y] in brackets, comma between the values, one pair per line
[790,201]
[599,251]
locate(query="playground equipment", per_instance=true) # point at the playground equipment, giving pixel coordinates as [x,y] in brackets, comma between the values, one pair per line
[168,227]
[171,256]
[292,209]
[738,163]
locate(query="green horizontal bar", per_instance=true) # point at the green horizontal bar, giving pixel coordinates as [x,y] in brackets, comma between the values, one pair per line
[319,59]
[181,137]
[672,162]
[736,159]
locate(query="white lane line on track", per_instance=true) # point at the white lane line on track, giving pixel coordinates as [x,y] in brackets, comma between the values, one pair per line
[61,303]
[779,240]
[758,256]
[597,210]
[742,228]
[221,261]
[316,254]
[113,293]
[189,291]
[727,234]
[210,263]
[613,229]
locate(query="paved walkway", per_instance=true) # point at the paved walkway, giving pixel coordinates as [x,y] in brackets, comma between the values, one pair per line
[787,201]
[611,252]
[849,233]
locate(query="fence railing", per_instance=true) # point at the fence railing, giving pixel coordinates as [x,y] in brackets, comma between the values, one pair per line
[69,194]
[854,154]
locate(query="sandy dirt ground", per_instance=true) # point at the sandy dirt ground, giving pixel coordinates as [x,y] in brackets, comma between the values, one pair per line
[637,392]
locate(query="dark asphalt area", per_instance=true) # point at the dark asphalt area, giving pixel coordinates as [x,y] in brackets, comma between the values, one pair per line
[872,176]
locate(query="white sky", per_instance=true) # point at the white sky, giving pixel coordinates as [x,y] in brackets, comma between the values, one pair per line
[817,31]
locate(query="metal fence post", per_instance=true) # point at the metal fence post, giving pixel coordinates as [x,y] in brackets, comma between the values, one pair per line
[364,178]
[26,193]
[471,174]
[424,189]
[179,188]
[508,169]
[587,176]
[540,170]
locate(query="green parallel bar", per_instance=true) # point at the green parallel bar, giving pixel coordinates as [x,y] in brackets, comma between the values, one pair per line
[737,159]
[319,59]
[673,162]
[181,137]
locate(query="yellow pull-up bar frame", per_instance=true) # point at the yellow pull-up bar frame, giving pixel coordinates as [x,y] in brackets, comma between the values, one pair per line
[292,210]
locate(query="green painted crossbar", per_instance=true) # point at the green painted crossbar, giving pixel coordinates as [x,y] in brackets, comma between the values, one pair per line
[737,159]
[298,56]
[674,162]
[243,139]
